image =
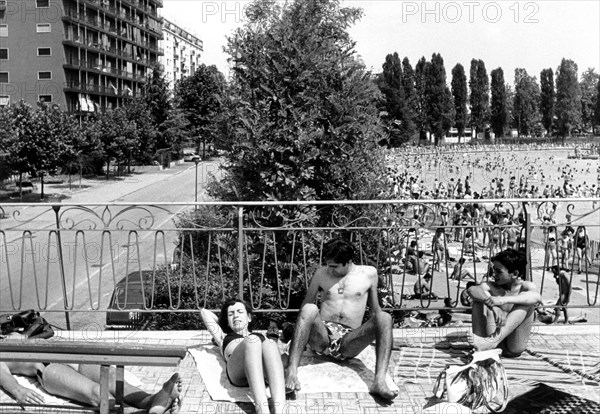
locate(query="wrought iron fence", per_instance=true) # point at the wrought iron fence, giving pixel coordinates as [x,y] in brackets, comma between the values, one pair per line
[79,258]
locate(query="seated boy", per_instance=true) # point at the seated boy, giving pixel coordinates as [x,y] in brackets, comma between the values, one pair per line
[503,308]
[421,288]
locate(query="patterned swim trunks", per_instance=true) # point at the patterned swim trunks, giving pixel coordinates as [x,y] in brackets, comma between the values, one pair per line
[336,332]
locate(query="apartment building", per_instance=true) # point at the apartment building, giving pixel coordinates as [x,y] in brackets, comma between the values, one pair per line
[182,52]
[84,55]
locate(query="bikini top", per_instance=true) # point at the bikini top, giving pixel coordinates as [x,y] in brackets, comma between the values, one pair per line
[228,338]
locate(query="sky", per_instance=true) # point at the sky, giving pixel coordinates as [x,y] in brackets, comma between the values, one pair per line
[509,34]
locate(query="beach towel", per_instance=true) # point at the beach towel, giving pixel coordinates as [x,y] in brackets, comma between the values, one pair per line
[51,400]
[317,374]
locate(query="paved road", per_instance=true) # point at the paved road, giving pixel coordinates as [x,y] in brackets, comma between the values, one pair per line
[94,258]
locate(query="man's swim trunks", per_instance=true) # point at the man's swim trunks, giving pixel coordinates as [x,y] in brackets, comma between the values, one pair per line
[336,332]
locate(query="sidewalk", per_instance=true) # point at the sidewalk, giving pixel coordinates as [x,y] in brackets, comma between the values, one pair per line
[98,190]
[418,355]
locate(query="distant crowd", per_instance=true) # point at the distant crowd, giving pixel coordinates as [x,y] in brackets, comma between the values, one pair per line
[501,173]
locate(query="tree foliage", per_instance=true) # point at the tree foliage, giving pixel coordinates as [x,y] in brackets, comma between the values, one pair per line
[303,107]
[460,96]
[408,82]
[597,110]
[526,113]
[498,106]
[547,100]
[480,95]
[420,97]
[588,86]
[200,98]
[396,118]
[568,98]
[438,99]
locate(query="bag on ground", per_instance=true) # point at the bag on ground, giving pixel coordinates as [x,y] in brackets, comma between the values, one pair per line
[28,323]
[480,382]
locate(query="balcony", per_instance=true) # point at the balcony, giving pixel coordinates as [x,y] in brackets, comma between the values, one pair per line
[92,88]
[101,5]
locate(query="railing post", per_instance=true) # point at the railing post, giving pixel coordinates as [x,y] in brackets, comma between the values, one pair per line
[528,244]
[241,252]
[61,265]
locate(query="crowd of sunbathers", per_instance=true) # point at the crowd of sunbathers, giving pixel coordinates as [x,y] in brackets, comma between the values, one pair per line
[445,173]
[502,313]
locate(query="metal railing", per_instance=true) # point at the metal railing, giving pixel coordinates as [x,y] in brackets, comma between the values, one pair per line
[70,258]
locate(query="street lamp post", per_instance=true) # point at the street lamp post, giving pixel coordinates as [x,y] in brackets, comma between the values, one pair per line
[196,161]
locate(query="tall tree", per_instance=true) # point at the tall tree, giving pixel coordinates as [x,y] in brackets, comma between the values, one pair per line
[498,107]
[438,101]
[200,97]
[597,110]
[157,96]
[408,81]
[480,95]
[421,115]
[547,99]
[394,105]
[568,98]
[304,109]
[526,113]
[588,86]
[459,96]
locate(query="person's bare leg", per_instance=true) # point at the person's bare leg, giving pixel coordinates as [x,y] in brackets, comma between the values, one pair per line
[273,367]
[245,367]
[63,381]
[516,341]
[519,315]
[308,327]
[483,323]
[379,327]
[159,402]
[253,367]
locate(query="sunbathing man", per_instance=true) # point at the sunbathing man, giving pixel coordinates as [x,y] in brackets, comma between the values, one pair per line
[82,385]
[503,308]
[336,329]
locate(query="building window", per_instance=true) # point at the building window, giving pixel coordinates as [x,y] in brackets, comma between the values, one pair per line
[4,54]
[43,28]
[3,77]
[42,3]
[3,30]
[44,75]
[4,100]
[44,51]
[45,98]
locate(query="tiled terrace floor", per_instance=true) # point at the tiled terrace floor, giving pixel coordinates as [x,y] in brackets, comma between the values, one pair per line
[417,358]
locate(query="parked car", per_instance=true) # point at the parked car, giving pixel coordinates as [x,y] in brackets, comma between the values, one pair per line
[129,294]
[191,157]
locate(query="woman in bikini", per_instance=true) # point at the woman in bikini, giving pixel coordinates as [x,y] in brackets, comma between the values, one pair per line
[250,359]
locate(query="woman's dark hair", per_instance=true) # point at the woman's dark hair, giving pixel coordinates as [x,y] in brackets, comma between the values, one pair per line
[223,323]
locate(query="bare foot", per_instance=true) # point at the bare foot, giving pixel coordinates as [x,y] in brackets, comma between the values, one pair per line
[382,390]
[291,381]
[484,344]
[167,399]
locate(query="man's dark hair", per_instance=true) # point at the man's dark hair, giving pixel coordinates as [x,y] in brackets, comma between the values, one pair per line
[339,251]
[513,260]
[223,322]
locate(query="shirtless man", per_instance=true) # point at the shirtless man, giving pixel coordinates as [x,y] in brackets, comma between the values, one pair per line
[503,308]
[81,384]
[336,328]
